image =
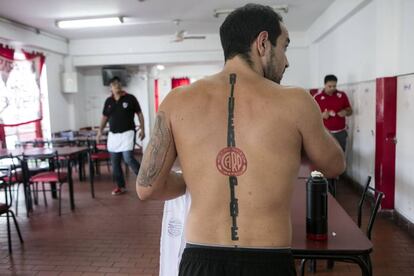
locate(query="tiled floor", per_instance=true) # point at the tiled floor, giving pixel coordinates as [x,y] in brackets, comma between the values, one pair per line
[119,235]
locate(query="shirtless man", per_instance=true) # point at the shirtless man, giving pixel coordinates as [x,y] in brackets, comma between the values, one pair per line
[239,136]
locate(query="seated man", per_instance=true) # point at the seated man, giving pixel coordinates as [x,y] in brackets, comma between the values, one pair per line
[239,136]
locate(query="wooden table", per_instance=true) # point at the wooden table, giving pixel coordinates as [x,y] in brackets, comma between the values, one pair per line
[64,141]
[38,153]
[345,240]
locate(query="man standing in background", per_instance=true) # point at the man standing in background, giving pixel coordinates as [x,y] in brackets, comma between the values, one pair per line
[119,109]
[335,107]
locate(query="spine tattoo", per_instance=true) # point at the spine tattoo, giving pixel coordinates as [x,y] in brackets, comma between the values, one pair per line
[231,161]
[231,142]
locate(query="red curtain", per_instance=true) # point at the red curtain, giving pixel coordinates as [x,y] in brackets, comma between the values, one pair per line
[179,81]
[156,95]
[6,52]
[39,65]
[33,55]
[6,65]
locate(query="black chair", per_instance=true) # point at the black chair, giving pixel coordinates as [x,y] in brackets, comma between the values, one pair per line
[5,208]
[376,198]
[96,155]
[16,178]
[54,176]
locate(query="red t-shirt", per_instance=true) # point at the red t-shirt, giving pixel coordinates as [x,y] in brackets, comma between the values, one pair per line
[337,102]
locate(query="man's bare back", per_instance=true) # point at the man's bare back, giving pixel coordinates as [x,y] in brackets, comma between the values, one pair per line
[274,127]
[267,134]
[267,119]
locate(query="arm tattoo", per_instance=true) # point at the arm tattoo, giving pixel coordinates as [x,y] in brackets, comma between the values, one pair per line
[232,162]
[156,152]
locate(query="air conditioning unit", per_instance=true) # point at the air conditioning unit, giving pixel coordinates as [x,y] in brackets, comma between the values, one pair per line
[70,82]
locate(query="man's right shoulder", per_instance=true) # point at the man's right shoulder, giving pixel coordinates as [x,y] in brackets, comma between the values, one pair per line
[182,92]
[298,93]
[301,99]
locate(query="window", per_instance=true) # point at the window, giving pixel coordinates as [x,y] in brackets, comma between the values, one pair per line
[22,82]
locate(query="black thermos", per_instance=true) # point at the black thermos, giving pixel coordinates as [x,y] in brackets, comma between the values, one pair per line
[316,207]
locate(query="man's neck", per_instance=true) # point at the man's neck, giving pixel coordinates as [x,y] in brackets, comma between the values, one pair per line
[329,94]
[240,66]
[117,95]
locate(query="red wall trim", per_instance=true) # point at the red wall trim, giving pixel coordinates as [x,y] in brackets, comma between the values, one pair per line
[156,95]
[386,121]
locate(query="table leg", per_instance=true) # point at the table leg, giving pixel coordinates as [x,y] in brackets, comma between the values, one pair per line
[70,183]
[80,167]
[363,261]
[27,197]
[363,264]
[53,189]
[26,187]
[91,175]
[330,264]
[53,184]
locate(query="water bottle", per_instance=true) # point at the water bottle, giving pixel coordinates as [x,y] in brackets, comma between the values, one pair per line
[316,207]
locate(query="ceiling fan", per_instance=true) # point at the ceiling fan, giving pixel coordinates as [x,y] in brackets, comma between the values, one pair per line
[182,35]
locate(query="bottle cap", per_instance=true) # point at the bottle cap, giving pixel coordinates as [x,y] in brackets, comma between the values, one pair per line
[316,174]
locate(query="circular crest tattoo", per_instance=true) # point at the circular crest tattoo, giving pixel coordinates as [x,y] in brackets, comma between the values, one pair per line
[231,161]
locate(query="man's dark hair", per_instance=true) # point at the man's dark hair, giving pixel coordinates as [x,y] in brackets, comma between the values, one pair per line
[242,26]
[330,78]
[114,79]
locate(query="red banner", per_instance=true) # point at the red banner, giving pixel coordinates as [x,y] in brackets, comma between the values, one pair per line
[6,63]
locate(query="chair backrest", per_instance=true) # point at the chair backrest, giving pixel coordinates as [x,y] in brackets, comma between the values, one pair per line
[91,144]
[8,173]
[52,159]
[377,197]
[8,193]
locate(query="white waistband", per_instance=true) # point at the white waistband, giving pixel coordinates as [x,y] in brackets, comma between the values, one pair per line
[336,131]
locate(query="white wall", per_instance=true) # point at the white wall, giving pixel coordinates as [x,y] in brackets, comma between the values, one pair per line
[406,45]
[404,184]
[144,50]
[348,51]
[191,71]
[360,151]
[297,74]
[92,95]
[61,106]
[374,40]
[41,41]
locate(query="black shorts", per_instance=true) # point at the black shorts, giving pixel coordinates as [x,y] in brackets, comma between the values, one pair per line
[217,261]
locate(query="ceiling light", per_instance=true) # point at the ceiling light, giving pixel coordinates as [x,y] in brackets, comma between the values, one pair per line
[90,22]
[277,8]
[160,67]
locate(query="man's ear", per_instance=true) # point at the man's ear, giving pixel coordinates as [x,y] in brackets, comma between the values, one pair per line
[261,43]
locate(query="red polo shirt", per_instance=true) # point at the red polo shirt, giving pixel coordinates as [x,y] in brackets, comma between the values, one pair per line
[337,102]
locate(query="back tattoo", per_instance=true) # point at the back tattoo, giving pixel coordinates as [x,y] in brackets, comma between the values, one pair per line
[231,161]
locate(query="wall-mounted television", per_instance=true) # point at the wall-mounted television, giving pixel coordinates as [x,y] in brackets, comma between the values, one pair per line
[108,72]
